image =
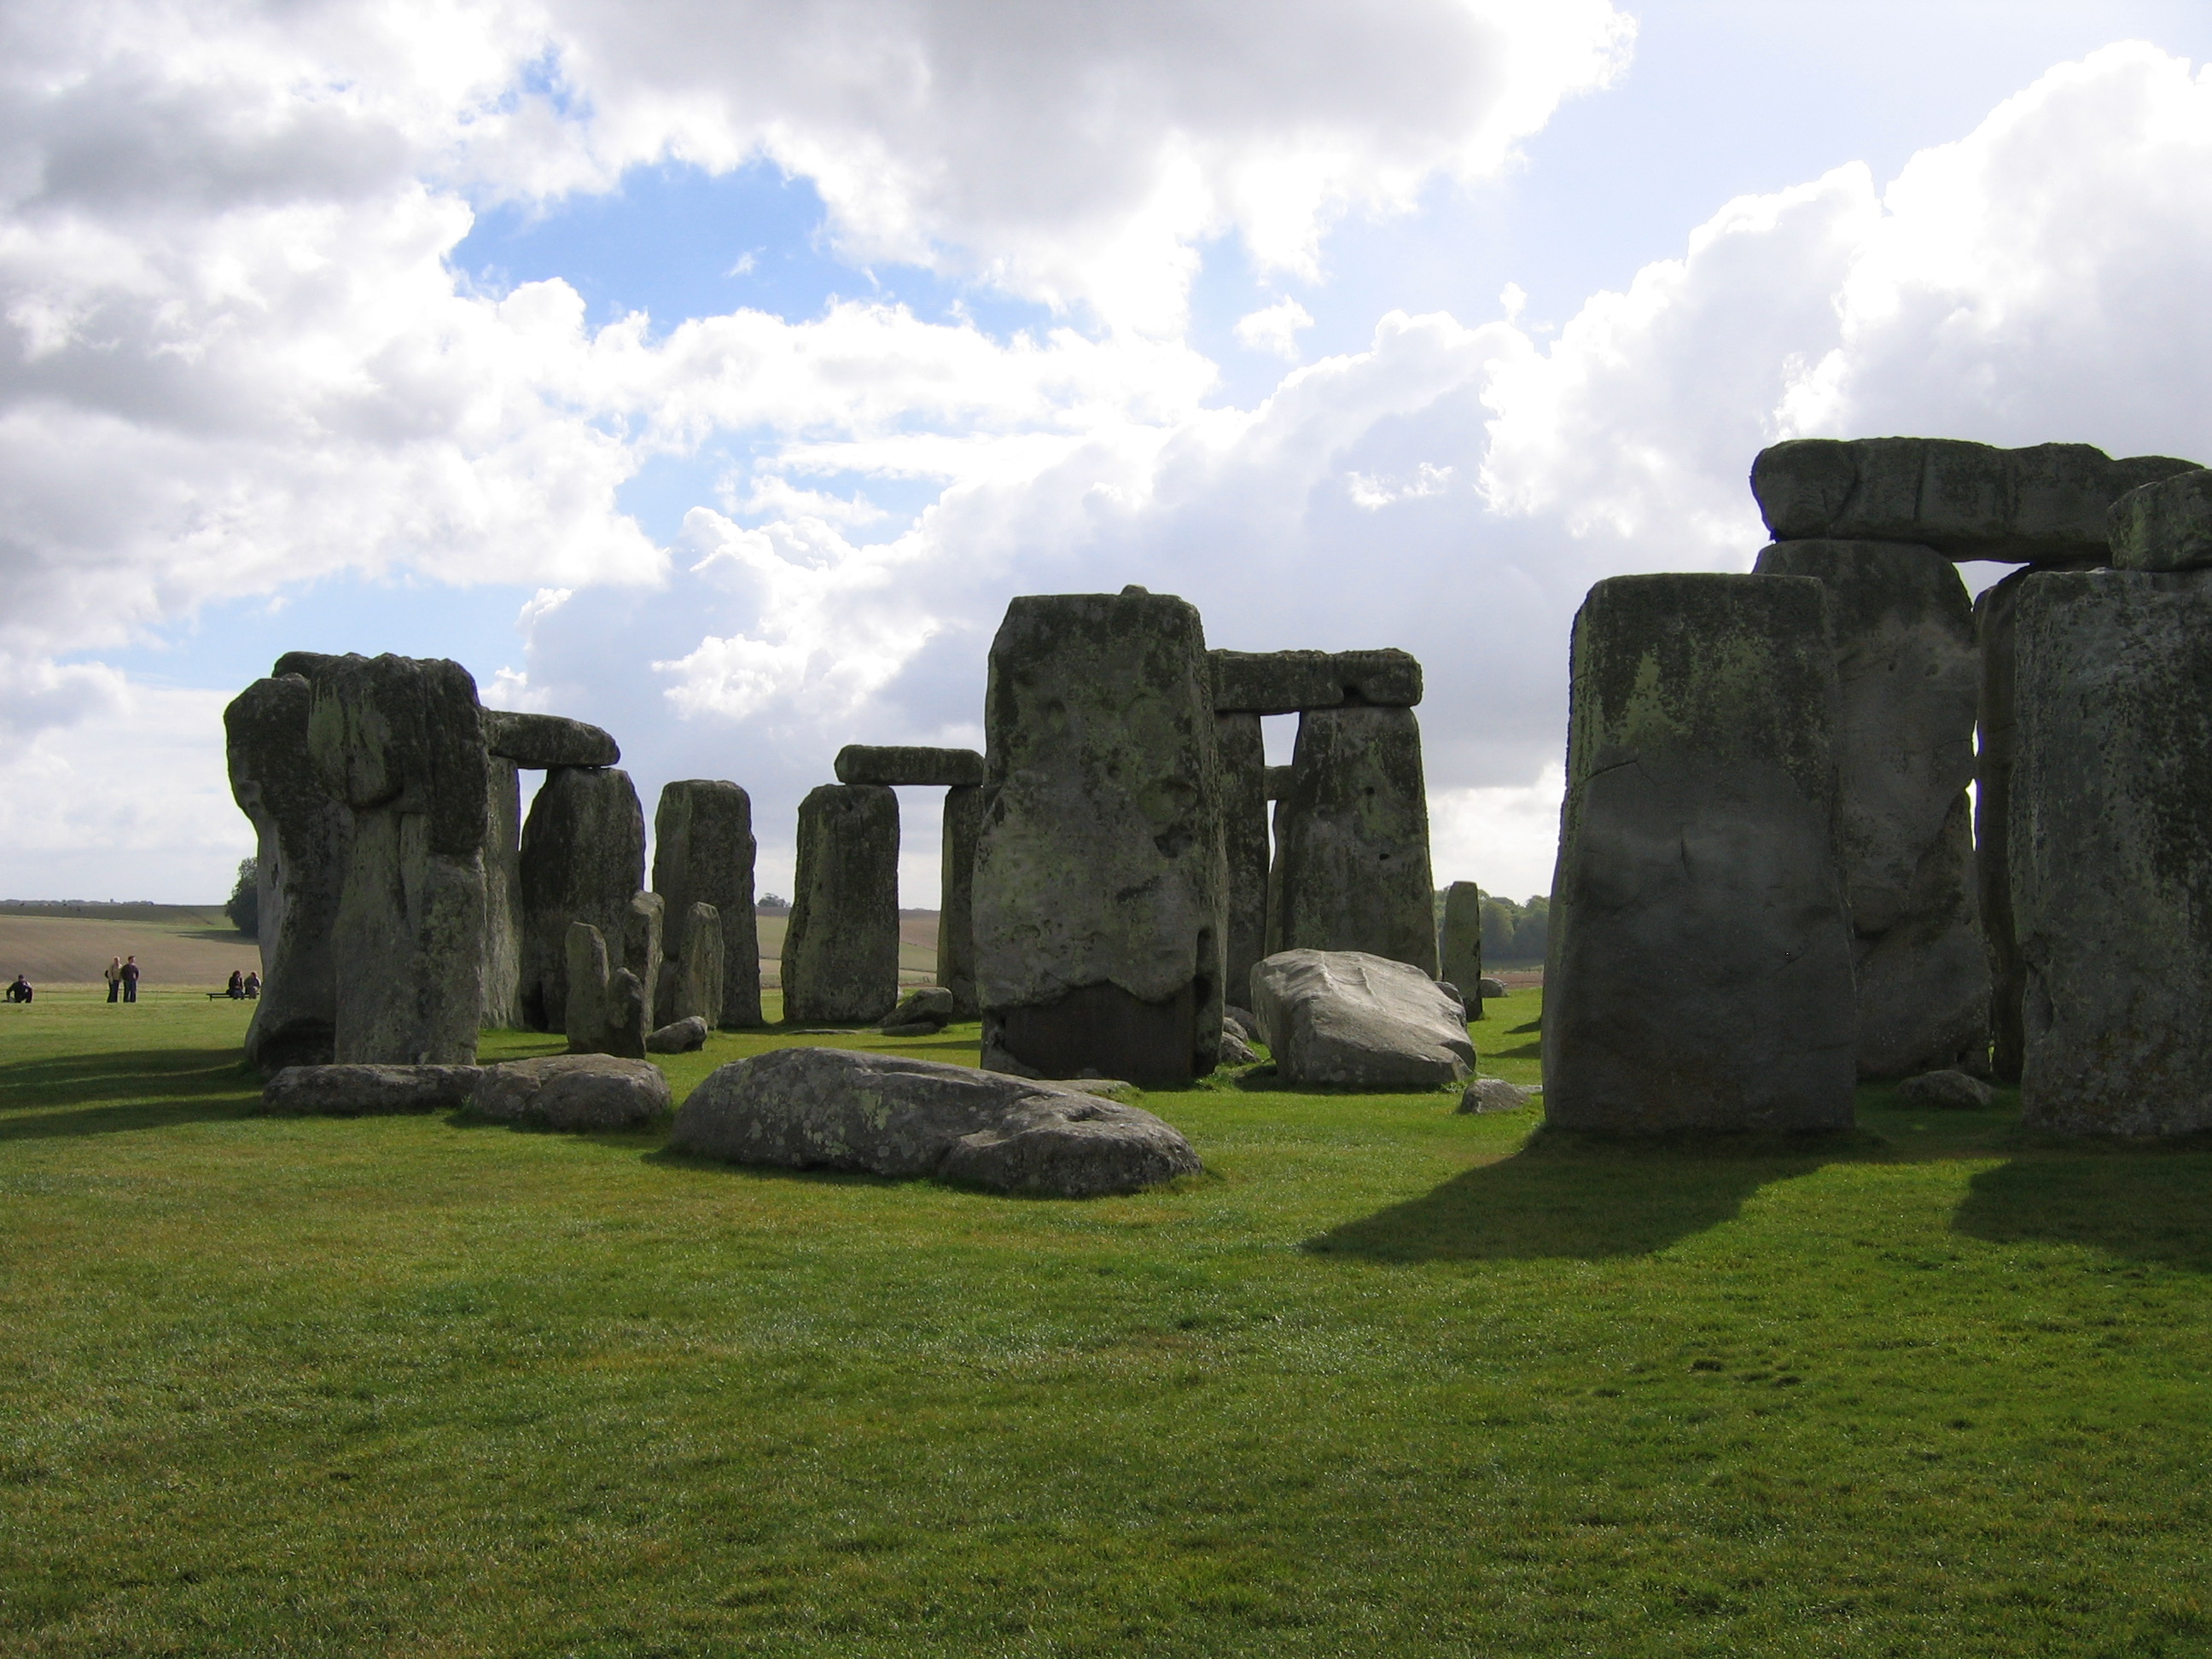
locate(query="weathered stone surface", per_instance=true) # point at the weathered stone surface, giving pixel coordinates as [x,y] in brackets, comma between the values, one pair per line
[2164,526]
[1492,1094]
[606,1008]
[581,1092]
[1354,840]
[703,854]
[583,859]
[1908,675]
[888,764]
[1278,782]
[840,947]
[1242,1021]
[680,1036]
[1486,988]
[1100,903]
[2112,852]
[1243,764]
[1700,968]
[955,918]
[645,919]
[695,977]
[541,742]
[836,1109]
[303,843]
[2044,505]
[1950,1090]
[358,1090]
[1291,682]
[1459,950]
[1234,1050]
[397,740]
[930,1005]
[499,969]
[1349,1019]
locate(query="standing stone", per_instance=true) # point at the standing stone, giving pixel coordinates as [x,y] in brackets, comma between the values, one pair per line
[1354,846]
[1907,674]
[1100,883]
[500,972]
[400,742]
[605,1013]
[583,859]
[697,982]
[2112,852]
[1700,968]
[1243,763]
[703,849]
[956,918]
[643,922]
[302,841]
[1460,951]
[841,948]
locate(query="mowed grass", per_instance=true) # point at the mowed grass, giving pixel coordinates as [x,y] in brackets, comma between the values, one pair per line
[1385,1380]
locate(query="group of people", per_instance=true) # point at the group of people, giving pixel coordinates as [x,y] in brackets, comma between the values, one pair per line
[123,984]
[122,976]
[243,987]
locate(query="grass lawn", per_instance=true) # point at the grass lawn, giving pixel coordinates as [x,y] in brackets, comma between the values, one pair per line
[1385,1380]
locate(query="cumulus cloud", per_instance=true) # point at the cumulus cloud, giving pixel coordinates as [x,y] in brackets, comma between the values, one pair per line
[1274,329]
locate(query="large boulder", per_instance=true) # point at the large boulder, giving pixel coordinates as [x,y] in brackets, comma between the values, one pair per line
[2044,505]
[542,742]
[1291,682]
[833,1109]
[572,1092]
[680,1036]
[1352,859]
[703,854]
[1700,970]
[303,839]
[1459,944]
[840,947]
[1907,675]
[399,742]
[1099,902]
[360,1091]
[2112,851]
[1348,1019]
[1243,762]
[890,764]
[583,859]
[955,918]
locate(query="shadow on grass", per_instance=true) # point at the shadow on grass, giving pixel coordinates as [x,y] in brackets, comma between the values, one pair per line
[1580,1199]
[2144,1204]
[103,1094]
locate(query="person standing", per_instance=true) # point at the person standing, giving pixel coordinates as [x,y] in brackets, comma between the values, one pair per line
[115,977]
[129,974]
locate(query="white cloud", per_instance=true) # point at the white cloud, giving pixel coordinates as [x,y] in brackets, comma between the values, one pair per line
[1274,329]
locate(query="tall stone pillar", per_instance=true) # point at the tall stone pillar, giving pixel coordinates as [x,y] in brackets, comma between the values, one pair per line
[583,859]
[1244,842]
[1460,949]
[956,916]
[1100,903]
[1907,674]
[841,949]
[501,961]
[1700,967]
[302,840]
[703,854]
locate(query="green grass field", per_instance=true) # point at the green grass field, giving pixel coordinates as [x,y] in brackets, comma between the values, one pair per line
[1385,1380]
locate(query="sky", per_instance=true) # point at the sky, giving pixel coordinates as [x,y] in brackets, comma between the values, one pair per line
[717,372]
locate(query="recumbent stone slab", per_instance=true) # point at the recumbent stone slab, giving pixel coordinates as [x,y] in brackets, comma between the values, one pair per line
[890,764]
[581,1092]
[680,1037]
[1348,1019]
[840,947]
[359,1090]
[1291,682]
[1700,968]
[583,859]
[703,854]
[541,742]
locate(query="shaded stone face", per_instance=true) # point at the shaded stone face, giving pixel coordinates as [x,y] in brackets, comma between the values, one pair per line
[1291,682]
[1353,849]
[951,769]
[583,859]
[697,981]
[605,1013]
[303,842]
[704,851]
[2044,505]
[501,965]
[541,742]
[643,923]
[1907,674]
[840,947]
[1700,970]
[2112,851]
[2164,526]
[398,740]
[1099,908]
[1459,948]
[956,920]
[1243,764]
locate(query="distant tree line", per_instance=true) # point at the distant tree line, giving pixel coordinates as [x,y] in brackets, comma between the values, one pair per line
[244,907]
[1513,935]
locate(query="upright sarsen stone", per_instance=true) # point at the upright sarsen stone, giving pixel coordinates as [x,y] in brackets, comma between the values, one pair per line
[697,981]
[501,965]
[583,859]
[841,948]
[1353,853]
[956,920]
[1243,764]
[1700,967]
[1099,877]
[703,849]
[1907,675]
[400,742]
[2112,851]
[302,841]
[1459,947]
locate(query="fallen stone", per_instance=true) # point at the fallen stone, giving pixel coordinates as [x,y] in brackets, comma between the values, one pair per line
[1946,1088]
[703,854]
[1291,682]
[1235,1051]
[1350,1019]
[1492,1094]
[582,1092]
[840,947]
[540,742]
[1242,1021]
[360,1090]
[909,1028]
[2045,505]
[2166,525]
[1459,943]
[1106,1088]
[1486,988]
[683,1037]
[930,1005]
[890,1116]
[583,859]
[891,765]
